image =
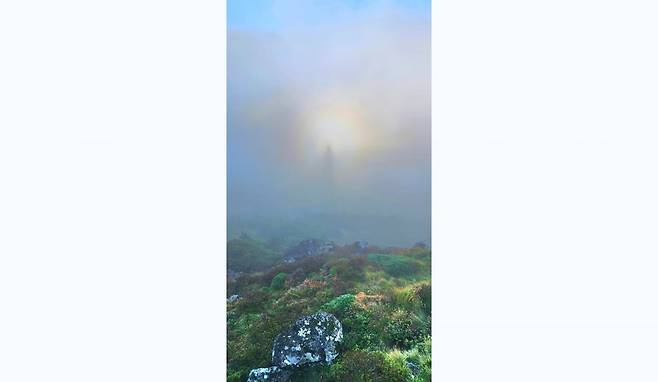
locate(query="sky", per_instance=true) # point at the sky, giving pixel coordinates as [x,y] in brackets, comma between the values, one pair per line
[274,14]
[329,119]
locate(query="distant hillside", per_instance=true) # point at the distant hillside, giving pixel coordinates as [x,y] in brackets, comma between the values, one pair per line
[381,228]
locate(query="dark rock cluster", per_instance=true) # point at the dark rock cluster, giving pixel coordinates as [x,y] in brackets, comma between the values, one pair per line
[311,247]
[311,339]
[358,247]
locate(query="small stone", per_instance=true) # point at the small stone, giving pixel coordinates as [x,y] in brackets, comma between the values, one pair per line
[270,374]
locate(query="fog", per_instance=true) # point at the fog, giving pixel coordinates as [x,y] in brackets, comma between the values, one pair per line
[329,123]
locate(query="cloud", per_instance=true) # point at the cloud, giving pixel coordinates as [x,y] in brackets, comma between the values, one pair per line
[354,79]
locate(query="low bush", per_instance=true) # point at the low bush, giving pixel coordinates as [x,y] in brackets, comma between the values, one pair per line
[245,254]
[417,298]
[253,302]
[341,305]
[359,332]
[405,329]
[362,366]
[419,359]
[279,281]
[424,292]
[396,265]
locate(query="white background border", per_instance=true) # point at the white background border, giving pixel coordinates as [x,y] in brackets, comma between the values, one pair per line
[112,195]
[545,208]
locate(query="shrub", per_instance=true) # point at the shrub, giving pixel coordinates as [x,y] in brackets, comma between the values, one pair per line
[417,298]
[420,359]
[345,272]
[405,329]
[424,292]
[279,281]
[340,306]
[312,373]
[249,342]
[246,254]
[424,255]
[295,278]
[405,298]
[358,329]
[396,265]
[252,302]
[242,284]
[235,377]
[346,269]
[364,366]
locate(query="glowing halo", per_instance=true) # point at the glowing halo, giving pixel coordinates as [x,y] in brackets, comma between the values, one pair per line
[342,127]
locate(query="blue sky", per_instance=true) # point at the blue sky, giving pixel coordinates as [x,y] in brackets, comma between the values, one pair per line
[273,14]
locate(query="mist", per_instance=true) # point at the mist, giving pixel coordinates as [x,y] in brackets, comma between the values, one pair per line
[329,123]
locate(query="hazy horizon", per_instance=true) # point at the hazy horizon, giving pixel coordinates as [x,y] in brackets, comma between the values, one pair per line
[329,119]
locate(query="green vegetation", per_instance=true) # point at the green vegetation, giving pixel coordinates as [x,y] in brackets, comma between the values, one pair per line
[397,266]
[382,299]
[245,254]
[370,367]
[278,281]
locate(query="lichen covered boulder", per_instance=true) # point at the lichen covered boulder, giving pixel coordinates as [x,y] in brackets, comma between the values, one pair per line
[310,339]
[269,374]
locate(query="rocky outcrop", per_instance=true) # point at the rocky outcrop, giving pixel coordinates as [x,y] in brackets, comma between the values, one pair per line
[233,298]
[358,247]
[310,339]
[311,247]
[361,245]
[269,374]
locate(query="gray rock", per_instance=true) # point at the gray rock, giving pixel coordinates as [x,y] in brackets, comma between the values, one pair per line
[414,369]
[420,244]
[310,339]
[306,248]
[360,246]
[269,374]
[233,298]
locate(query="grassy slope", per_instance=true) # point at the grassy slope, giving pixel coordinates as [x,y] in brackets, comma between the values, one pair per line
[382,299]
